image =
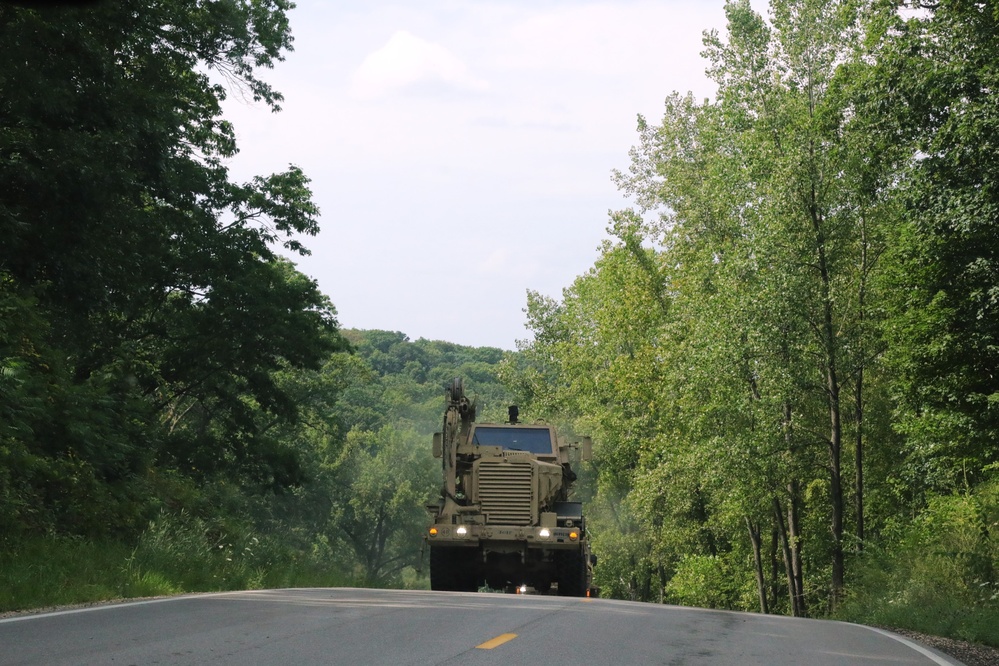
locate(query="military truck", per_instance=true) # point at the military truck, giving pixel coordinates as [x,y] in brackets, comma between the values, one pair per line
[505,518]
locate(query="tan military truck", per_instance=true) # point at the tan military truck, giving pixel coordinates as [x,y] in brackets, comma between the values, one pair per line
[505,519]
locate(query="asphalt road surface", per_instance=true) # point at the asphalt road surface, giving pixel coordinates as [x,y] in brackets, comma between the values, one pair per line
[353,626]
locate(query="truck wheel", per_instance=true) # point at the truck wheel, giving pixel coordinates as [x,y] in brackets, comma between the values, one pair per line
[571,566]
[464,570]
[452,570]
[442,570]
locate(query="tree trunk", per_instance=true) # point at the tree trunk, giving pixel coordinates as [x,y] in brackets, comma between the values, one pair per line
[865,266]
[859,461]
[827,338]
[788,566]
[774,566]
[794,529]
[761,583]
[792,534]
[836,495]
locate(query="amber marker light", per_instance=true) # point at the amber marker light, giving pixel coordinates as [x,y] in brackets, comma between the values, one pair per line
[433,531]
[573,535]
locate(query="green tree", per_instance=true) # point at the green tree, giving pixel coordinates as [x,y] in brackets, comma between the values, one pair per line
[735,347]
[381,474]
[757,189]
[932,89]
[153,276]
[384,479]
[593,368]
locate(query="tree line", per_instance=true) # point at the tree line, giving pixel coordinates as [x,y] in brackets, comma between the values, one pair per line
[147,316]
[174,394]
[786,350]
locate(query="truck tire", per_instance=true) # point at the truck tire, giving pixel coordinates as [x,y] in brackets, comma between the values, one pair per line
[451,570]
[441,571]
[571,569]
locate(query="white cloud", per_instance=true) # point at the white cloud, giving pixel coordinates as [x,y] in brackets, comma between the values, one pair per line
[421,178]
[406,62]
[495,262]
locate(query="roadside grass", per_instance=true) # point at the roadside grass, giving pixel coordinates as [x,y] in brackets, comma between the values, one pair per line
[174,555]
[57,571]
[927,609]
[938,575]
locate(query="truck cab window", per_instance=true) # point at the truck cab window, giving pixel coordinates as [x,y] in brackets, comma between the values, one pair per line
[533,440]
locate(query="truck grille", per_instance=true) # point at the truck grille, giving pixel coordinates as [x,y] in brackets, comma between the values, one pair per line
[505,492]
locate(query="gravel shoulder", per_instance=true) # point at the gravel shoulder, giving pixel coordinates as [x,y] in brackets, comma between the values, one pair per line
[65,607]
[970,654]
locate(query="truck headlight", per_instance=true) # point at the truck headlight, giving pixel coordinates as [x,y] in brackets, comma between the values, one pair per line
[545,533]
[462,530]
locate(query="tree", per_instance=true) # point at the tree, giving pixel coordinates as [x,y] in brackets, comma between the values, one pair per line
[932,90]
[796,234]
[384,481]
[593,367]
[156,277]
[751,254]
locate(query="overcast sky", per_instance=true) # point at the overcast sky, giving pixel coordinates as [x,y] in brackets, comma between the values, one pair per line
[461,152]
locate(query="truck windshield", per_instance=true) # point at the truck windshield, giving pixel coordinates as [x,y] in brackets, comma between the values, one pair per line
[534,440]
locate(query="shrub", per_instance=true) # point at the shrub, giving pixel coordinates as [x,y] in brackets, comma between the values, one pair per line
[706,581]
[938,575]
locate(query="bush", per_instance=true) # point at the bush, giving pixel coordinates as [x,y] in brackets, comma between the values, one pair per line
[706,581]
[177,553]
[939,574]
[193,554]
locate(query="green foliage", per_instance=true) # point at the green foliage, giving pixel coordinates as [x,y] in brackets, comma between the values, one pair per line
[175,554]
[384,479]
[944,329]
[626,566]
[717,349]
[786,352]
[939,574]
[67,459]
[708,582]
[147,317]
[40,572]
[333,497]
[185,553]
[415,372]
[166,378]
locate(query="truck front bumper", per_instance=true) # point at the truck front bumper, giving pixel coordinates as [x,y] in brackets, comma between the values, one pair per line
[534,537]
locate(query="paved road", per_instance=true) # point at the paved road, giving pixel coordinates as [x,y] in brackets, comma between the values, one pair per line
[352,626]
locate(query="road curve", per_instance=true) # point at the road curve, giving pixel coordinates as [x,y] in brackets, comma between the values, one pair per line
[355,626]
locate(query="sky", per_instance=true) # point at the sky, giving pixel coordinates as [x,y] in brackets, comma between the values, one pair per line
[461,152]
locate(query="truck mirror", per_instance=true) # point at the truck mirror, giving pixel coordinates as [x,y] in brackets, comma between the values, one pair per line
[586,449]
[438,445]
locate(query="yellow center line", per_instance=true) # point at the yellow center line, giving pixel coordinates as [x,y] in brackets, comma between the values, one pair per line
[495,642]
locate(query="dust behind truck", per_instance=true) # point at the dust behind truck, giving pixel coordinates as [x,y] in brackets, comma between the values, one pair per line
[505,518]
